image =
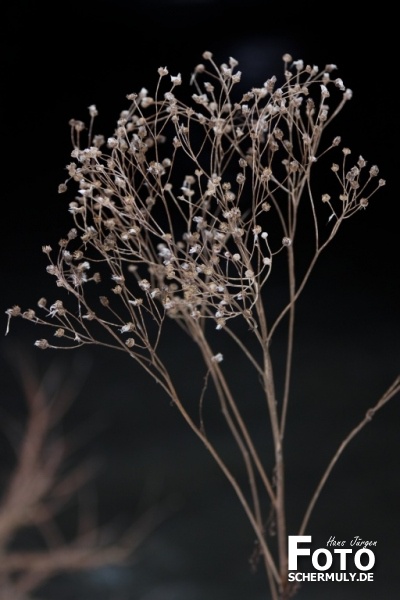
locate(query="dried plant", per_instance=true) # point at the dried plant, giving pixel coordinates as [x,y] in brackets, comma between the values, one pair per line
[187,212]
[43,483]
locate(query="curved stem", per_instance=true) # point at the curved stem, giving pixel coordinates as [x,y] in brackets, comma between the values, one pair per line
[390,392]
[244,435]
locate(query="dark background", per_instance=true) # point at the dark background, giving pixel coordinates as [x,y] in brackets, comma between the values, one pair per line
[59,58]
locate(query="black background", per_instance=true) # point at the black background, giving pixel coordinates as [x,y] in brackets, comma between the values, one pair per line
[59,58]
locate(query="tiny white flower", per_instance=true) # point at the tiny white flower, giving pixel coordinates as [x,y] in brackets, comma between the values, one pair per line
[93,110]
[128,327]
[42,344]
[217,358]
[176,80]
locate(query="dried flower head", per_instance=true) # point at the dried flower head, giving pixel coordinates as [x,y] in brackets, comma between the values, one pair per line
[193,245]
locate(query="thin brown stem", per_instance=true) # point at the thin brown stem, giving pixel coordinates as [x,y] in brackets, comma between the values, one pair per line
[393,389]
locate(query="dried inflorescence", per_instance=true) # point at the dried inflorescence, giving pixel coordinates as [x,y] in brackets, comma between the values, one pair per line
[182,212]
[184,208]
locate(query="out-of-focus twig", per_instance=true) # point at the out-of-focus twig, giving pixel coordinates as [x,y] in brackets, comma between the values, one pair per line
[43,482]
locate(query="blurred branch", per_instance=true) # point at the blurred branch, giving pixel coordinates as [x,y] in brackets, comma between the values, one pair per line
[43,483]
